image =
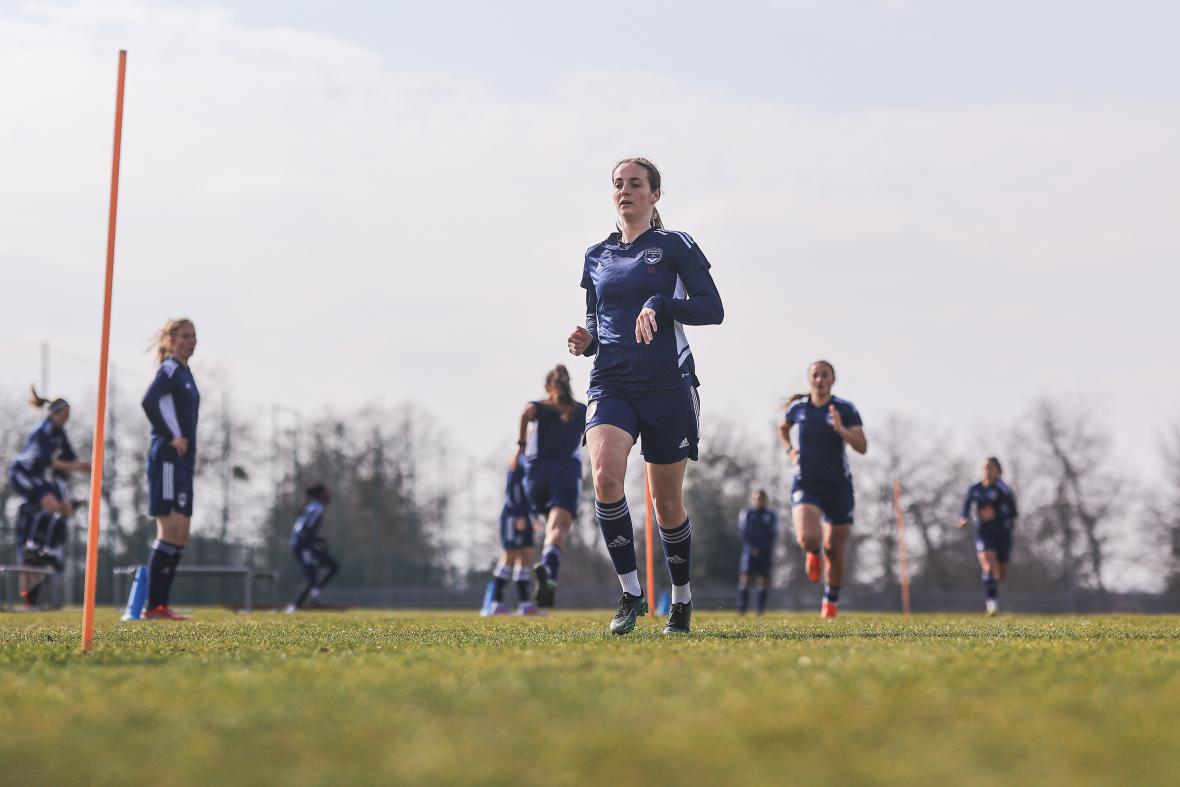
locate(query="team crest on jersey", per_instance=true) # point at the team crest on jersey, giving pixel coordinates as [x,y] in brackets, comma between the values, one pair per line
[653,255]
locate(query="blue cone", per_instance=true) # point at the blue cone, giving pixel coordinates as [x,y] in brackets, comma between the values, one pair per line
[138,595]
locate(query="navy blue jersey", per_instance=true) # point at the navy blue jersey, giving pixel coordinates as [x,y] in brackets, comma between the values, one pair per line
[552,438]
[758,527]
[994,503]
[660,269]
[171,404]
[516,502]
[822,458]
[307,526]
[42,445]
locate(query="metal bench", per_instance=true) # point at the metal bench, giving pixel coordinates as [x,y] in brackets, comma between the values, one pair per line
[9,576]
[124,574]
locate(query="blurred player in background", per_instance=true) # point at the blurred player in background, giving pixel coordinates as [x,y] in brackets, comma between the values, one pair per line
[995,518]
[758,527]
[43,516]
[643,283]
[550,445]
[821,493]
[517,539]
[171,403]
[310,548]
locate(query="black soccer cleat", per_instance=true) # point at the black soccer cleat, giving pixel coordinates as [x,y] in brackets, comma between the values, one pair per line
[679,619]
[546,593]
[630,608]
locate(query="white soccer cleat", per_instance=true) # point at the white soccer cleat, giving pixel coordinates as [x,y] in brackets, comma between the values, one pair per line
[993,607]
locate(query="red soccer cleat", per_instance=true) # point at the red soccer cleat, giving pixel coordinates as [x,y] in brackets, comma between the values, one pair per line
[163,613]
[814,567]
[828,611]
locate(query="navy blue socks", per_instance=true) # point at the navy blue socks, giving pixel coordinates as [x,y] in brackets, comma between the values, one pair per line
[551,557]
[614,519]
[677,553]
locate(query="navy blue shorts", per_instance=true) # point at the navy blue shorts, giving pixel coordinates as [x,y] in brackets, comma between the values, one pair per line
[835,500]
[996,537]
[666,421]
[554,484]
[31,487]
[170,488]
[311,555]
[756,565]
[510,536]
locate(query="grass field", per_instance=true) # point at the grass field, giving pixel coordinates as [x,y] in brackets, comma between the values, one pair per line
[415,698]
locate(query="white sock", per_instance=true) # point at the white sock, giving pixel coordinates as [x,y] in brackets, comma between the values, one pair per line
[630,583]
[682,594]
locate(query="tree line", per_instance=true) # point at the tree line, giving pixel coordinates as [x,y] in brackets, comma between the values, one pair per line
[409,513]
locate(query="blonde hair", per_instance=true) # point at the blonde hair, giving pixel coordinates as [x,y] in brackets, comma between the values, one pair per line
[161,342]
[653,179]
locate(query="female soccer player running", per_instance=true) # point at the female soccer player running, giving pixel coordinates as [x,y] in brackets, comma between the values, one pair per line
[643,283]
[758,527]
[552,450]
[310,548]
[516,540]
[995,518]
[171,404]
[46,448]
[822,489]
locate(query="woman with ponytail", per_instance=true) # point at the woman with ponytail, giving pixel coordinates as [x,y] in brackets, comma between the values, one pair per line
[171,404]
[643,284]
[45,449]
[995,518]
[550,443]
[821,494]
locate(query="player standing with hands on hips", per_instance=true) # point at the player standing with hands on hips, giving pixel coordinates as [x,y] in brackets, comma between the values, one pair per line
[171,405]
[821,494]
[643,284]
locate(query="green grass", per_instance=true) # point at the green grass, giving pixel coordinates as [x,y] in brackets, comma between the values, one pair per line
[415,698]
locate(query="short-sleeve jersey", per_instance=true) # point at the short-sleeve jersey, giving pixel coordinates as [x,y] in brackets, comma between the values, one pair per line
[822,458]
[307,526]
[172,403]
[660,269]
[42,445]
[995,503]
[552,439]
[758,527]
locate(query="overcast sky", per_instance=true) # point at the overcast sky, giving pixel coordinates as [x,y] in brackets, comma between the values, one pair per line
[964,207]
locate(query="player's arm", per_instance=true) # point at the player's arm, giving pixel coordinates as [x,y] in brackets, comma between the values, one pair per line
[848,426]
[526,417]
[965,511]
[67,461]
[784,437]
[703,305]
[584,340]
[161,412]
[311,525]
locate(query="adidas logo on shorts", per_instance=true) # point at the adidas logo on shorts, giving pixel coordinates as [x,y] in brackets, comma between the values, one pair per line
[684,443]
[620,541]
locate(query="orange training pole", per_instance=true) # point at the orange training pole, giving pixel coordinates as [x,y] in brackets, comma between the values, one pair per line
[100,415]
[651,582]
[905,568]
